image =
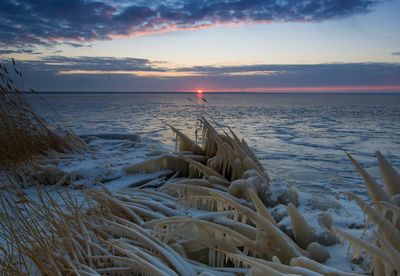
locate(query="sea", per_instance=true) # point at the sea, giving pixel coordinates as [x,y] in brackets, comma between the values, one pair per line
[301,139]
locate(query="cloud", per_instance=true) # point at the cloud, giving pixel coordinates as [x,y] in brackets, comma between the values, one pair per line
[56,64]
[58,73]
[47,22]
[396,53]
[18,51]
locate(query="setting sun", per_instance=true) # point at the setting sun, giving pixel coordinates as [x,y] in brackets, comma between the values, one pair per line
[199,91]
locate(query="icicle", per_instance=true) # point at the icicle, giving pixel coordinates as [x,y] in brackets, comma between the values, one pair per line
[236,215]
[357,252]
[176,142]
[212,257]
[275,259]
[244,219]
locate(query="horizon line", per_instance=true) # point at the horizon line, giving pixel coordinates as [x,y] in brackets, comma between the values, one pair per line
[211,92]
[290,89]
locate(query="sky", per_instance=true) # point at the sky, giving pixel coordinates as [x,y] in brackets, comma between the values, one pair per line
[215,45]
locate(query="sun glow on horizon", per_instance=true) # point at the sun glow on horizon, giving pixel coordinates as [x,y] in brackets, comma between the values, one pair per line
[200,91]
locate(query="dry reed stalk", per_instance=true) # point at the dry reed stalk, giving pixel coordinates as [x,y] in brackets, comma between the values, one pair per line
[24,135]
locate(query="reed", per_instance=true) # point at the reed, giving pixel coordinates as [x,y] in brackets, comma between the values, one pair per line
[23,133]
[213,221]
[25,137]
[384,213]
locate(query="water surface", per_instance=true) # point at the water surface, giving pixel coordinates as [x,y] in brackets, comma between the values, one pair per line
[299,138]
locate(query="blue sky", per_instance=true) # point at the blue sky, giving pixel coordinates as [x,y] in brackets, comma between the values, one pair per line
[231,45]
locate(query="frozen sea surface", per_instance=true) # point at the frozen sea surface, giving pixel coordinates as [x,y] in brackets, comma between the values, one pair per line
[299,138]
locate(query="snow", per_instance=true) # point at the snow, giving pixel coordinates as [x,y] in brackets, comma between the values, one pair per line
[299,143]
[102,167]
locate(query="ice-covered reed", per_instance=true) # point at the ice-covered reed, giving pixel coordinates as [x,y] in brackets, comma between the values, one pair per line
[384,213]
[211,218]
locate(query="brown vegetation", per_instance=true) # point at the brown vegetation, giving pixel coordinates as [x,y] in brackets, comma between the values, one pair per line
[23,133]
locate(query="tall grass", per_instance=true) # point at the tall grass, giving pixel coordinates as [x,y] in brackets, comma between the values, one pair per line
[57,237]
[23,133]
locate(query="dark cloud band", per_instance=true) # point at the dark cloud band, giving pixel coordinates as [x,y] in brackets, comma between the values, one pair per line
[46,22]
[55,73]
